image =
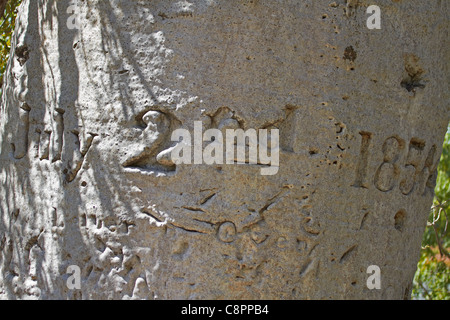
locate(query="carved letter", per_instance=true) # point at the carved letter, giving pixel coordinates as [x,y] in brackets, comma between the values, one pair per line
[21,143]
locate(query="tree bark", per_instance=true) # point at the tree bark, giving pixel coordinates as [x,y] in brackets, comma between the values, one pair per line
[2,7]
[86,130]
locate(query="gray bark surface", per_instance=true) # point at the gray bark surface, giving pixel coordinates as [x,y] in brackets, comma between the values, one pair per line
[86,122]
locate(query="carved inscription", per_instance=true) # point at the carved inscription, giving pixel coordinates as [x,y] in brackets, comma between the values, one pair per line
[227,232]
[155,155]
[387,173]
[397,168]
[20,145]
[165,142]
[48,143]
[44,144]
[82,148]
[57,146]
[361,170]
[410,172]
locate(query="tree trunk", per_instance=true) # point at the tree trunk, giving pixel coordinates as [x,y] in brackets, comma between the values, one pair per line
[86,128]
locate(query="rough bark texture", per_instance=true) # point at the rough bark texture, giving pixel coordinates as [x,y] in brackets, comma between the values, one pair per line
[87,115]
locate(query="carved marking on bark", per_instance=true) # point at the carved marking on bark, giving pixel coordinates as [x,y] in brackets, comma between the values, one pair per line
[79,156]
[391,173]
[20,147]
[44,145]
[155,154]
[58,138]
[361,171]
